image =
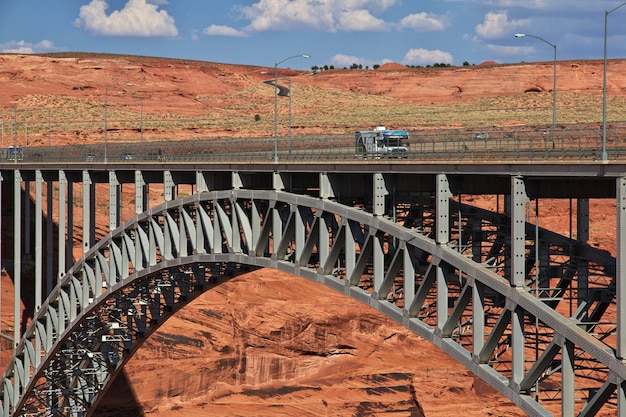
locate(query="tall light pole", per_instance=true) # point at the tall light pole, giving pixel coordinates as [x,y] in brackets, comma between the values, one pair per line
[276,101]
[604,156]
[49,130]
[289,83]
[140,117]
[106,105]
[522,35]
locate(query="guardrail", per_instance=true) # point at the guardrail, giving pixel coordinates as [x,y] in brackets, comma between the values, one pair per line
[518,143]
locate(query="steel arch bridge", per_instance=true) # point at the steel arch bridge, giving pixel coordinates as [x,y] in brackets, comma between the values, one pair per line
[468,284]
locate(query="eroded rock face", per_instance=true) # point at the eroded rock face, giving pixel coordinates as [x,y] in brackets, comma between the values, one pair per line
[267,343]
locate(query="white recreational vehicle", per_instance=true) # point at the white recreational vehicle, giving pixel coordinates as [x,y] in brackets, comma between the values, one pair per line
[382,143]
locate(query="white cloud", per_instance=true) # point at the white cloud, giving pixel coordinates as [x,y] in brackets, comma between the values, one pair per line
[137,18]
[323,15]
[341,60]
[424,22]
[422,56]
[220,30]
[23,47]
[529,4]
[360,20]
[498,25]
[346,61]
[510,50]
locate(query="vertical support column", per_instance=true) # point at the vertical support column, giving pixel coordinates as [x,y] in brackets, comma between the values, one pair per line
[544,262]
[409,279]
[327,192]
[518,231]
[477,252]
[17,256]
[183,232]
[49,238]
[38,239]
[141,195]
[517,343]
[168,186]
[567,379]
[61,243]
[201,236]
[234,220]
[582,235]
[621,399]
[380,192]
[478,318]
[621,269]
[324,238]
[114,201]
[507,208]
[582,220]
[89,212]
[201,182]
[69,256]
[27,215]
[443,209]
[277,222]
[236,181]
[278,183]
[442,237]
[277,229]
[350,247]
[300,233]
[217,229]
[379,258]
[141,202]
[442,298]
[519,199]
[620,278]
[256,227]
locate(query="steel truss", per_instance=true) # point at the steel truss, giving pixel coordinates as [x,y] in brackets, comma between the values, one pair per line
[443,272]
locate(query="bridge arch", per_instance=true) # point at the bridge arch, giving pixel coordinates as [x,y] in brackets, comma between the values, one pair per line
[139,274]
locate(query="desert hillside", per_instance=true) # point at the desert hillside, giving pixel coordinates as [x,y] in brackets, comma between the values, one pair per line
[266,343]
[176,99]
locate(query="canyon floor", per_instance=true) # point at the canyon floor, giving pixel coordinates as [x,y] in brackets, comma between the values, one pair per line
[265,343]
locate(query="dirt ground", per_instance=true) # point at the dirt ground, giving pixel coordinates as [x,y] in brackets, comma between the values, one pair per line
[267,343]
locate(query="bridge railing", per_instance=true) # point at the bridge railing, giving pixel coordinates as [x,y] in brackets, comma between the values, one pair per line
[509,143]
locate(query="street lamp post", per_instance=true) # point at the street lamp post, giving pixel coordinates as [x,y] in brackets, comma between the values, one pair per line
[140,118]
[521,35]
[604,156]
[106,105]
[289,83]
[276,102]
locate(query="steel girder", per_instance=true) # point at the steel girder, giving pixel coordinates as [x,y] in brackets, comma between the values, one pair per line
[449,293]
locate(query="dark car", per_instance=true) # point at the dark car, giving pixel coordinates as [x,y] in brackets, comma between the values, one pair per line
[159,155]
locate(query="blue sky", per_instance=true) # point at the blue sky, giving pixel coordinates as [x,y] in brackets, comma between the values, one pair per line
[333,32]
